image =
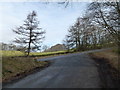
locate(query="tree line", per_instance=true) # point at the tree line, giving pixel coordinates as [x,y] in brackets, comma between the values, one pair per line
[99,27]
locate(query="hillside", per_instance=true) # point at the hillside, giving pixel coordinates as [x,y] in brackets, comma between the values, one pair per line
[57,47]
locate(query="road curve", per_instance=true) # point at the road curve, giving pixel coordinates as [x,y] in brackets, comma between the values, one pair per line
[76,70]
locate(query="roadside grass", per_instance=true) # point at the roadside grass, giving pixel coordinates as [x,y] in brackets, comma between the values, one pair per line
[108,67]
[15,66]
[111,56]
[116,50]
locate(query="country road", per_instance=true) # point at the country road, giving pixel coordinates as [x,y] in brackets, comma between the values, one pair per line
[76,70]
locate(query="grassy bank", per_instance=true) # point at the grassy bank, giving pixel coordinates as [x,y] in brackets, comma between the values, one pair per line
[110,55]
[108,67]
[15,66]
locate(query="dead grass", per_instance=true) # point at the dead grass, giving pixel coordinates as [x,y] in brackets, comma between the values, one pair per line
[12,66]
[109,55]
[108,67]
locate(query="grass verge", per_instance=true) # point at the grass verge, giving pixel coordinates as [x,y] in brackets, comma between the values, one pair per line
[108,67]
[16,67]
[110,56]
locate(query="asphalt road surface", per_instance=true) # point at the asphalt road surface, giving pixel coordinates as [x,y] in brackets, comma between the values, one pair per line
[76,70]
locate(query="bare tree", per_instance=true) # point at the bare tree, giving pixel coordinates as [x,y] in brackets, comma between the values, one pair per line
[68,43]
[45,47]
[107,14]
[99,27]
[85,34]
[30,35]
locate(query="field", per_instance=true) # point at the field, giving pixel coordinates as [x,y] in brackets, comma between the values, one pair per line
[11,53]
[18,53]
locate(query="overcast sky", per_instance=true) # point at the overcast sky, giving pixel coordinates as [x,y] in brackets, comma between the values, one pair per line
[54,19]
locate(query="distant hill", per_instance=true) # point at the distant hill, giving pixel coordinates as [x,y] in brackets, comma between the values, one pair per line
[57,47]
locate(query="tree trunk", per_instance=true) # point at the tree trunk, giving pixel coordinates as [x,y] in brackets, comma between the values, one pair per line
[29,47]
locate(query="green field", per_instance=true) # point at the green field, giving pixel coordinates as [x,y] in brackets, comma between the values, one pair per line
[18,53]
[11,53]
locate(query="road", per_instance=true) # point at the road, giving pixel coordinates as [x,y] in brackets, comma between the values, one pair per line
[76,70]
